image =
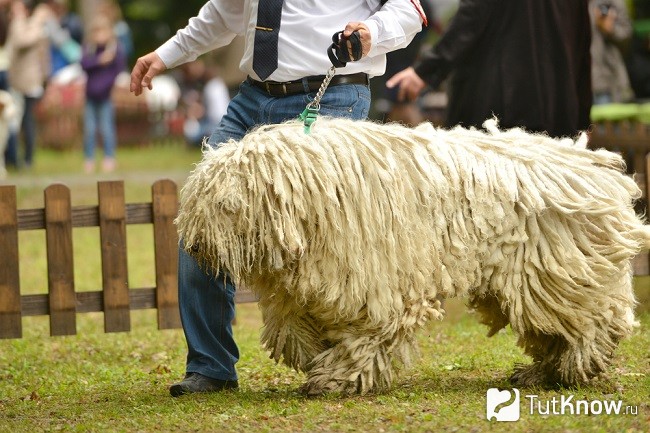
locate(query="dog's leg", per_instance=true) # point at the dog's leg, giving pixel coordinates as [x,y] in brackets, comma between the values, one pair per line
[546,350]
[491,311]
[289,333]
[576,341]
[358,364]
[365,358]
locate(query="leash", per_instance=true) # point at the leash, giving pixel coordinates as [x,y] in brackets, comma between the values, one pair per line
[339,56]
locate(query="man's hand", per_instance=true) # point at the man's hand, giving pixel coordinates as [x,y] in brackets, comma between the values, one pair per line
[147,67]
[364,33]
[409,82]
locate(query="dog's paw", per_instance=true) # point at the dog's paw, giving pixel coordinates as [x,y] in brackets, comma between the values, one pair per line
[316,387]
[532,375]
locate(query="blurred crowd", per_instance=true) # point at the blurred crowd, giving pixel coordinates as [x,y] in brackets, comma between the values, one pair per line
[620,59]
[44,43]
[54,61]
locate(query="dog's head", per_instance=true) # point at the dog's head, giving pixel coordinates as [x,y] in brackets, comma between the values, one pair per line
[236,213]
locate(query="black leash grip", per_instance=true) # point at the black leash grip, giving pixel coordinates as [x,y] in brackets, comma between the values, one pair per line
[338,52]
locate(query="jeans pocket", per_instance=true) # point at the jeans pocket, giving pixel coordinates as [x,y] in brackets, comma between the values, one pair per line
[349,101]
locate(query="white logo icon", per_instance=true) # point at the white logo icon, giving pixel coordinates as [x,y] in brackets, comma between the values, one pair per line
[502,405]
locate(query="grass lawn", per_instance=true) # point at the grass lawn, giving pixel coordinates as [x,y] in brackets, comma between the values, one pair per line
[118,382]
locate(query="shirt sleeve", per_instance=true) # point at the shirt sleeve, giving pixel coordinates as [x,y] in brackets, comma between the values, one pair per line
[216,25]
[393,26]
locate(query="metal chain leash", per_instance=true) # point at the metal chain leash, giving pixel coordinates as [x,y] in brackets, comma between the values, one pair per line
[321,91]
[308,116]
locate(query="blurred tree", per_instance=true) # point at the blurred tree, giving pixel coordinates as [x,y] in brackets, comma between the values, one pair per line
[154,21]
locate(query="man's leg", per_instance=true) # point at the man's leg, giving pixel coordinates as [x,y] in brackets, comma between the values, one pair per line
[207,306]
[207,301]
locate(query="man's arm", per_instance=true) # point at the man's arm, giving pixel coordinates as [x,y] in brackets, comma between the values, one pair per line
[459,39]
[392,27]
[216,25]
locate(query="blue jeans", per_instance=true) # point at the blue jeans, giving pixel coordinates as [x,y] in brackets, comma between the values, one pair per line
[11,151]
[28,127]
[99,114]
[207,302]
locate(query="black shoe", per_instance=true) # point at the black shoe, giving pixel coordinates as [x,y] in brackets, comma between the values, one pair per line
[195,382]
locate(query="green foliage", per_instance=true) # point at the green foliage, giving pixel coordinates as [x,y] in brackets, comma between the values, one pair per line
[152,22]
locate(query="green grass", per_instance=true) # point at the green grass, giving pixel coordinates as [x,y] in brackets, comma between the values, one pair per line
[119,382]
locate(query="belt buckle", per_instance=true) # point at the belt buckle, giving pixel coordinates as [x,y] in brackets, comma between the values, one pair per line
[271,92]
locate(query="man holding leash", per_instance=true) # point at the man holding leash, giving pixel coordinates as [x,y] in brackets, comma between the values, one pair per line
[285,58]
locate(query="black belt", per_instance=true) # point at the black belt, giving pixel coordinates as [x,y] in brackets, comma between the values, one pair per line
[275,88]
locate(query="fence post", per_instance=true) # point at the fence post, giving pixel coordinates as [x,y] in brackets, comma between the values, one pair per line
[165,208]
[10,307]
[60,267]
[112,229]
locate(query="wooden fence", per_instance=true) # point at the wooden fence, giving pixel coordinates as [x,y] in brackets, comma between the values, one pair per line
[58,218]
[632,140]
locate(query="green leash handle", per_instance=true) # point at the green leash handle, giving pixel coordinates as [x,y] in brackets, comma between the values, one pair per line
[309,114]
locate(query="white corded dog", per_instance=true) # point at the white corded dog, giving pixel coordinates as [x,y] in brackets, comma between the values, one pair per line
[350,233]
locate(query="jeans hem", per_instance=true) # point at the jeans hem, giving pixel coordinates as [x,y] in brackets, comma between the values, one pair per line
[211,374]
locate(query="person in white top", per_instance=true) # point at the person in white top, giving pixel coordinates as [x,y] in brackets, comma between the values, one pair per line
[306,32]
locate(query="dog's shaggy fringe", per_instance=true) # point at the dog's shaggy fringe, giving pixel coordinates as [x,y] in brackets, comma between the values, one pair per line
[349,234]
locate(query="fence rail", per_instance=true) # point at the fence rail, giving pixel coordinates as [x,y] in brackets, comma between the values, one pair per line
[632,140]
[58,218]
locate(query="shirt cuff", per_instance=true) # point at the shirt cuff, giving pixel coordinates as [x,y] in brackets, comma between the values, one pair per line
[374,34]
[170,54]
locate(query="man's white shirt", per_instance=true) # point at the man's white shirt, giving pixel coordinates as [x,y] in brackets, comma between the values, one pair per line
[305,34]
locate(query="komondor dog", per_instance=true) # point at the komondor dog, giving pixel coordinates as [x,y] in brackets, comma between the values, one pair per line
[350,234]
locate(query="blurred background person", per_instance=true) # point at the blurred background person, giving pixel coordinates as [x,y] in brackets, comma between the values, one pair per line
[66,33]
[637,59]
[29,65]
[527,62]
[611,37]
[111,9]
[5,14]
[102,61]
[205,98]
[7,113]
[8,145]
